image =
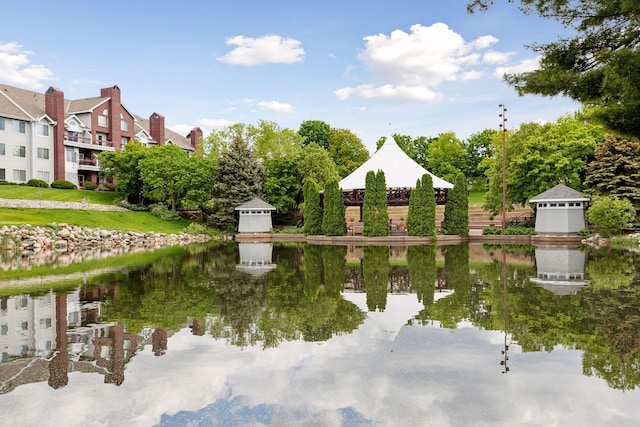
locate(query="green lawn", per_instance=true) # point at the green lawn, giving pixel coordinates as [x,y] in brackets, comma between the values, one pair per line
[26,192]
[476,196]
[125,221]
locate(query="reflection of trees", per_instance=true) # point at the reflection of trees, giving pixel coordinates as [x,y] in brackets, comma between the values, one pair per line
[375,266]
[616,358]
[456,307]
[162,294]
[422,275]
[300,300]
[610,268]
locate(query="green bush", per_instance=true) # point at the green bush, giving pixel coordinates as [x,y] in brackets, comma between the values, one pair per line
[610,214]
[195,228]
[164,213]
[37,183]
[89,186]
[108,187]
[4,182]
[63,185]
[134,207]
[509,231]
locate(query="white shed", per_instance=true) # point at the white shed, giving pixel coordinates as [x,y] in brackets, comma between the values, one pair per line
[560,210]
[255,216]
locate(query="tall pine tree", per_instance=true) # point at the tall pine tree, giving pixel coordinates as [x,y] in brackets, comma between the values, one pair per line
[311,210]
[421,219]
[456,209]
[238,178]
[333,218]
[375,217]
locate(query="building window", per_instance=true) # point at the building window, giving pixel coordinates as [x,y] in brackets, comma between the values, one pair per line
[102,121]
[124,125]
[45,323]
[43,153]
[20,151]
[1,123]
[43,175]
[43,129]
[19,175]
[1,149]
[3,174]
[72,156]
[19,126]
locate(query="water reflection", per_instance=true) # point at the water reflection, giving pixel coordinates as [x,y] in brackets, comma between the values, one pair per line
[560,270]
[327,324]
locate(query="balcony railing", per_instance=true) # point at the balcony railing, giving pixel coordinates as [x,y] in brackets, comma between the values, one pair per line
[89,162]
[88,141]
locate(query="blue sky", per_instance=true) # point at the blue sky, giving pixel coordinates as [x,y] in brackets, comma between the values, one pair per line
[412,67]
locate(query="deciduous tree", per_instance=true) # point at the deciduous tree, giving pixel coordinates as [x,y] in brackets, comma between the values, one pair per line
[598,66]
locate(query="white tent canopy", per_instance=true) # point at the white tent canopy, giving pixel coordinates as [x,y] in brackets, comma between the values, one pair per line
[400,170]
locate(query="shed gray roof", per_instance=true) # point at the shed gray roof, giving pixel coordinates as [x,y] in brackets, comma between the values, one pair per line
[560,193]
[255,203]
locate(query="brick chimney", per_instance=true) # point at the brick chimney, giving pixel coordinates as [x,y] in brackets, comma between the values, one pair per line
[54,107]
[115,110]
[195,136]
[156,128]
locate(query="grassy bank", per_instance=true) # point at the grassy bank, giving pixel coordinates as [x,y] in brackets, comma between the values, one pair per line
[124,221]
[25,192]
[142,222]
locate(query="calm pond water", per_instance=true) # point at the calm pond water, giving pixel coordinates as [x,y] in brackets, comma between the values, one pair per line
[299,335]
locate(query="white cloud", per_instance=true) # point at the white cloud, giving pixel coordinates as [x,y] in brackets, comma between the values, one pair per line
[16,67]
[263,50]
[214,123]
[523,66]
[493,57]
[276,106]
[396,93]
[409,66]
[471,75]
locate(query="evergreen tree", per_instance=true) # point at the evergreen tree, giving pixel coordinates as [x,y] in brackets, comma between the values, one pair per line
[381,203]
[333,218]
[369,207]
[238,178]
[421,219]
[375,217]
[312,210]
[616,169]
[456,210]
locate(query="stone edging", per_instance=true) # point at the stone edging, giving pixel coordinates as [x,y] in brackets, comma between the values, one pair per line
[50,204]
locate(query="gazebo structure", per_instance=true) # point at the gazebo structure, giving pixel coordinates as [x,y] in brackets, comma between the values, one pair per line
[401,173]
[560,210]
[255,216]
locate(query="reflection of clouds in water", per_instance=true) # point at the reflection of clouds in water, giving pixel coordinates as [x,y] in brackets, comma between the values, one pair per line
[383,372]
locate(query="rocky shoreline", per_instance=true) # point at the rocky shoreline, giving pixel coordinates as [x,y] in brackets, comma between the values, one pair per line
[29,239]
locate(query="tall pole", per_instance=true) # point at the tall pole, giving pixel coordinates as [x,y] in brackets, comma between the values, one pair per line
[503,130]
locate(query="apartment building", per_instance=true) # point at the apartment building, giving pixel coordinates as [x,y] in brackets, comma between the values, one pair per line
[46,136]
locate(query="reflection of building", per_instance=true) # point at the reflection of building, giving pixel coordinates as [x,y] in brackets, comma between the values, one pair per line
[27,326]
[560,270]
[255,258]
[44,338]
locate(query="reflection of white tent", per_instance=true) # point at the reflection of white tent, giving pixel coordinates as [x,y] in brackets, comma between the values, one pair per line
[400,170]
